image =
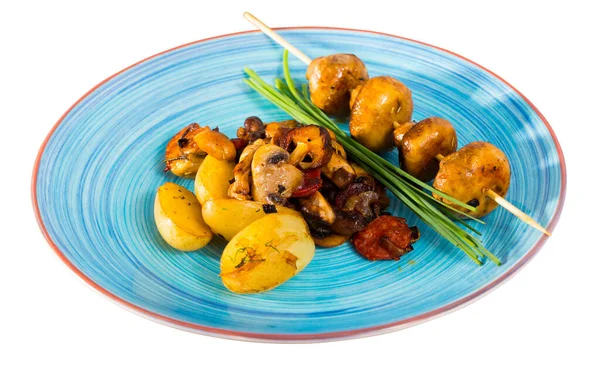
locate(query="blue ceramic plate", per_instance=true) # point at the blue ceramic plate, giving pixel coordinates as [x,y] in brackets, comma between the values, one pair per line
[97,172]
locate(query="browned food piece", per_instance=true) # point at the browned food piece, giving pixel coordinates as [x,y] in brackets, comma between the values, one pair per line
[309,146]
[337,148]
[216,144]
[311,184]
[183,156]
[385,238]
[316,207]
[381,102]
[332,78]
[252,130]
[240,188]
[468,173]
[421,145]
[348,222]
[358,204]
[368,192]
[275,130]
[339,171]
[274,179]
[399,132]
[318,213]
[330,241]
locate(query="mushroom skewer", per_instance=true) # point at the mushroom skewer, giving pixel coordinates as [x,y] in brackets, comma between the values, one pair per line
[472,173]
[339,85]
[509,206]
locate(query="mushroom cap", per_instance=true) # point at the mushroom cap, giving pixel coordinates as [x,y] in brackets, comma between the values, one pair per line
[332,78]
[317,141]
[381,102]
[422,143]
[469,172]
[273,179]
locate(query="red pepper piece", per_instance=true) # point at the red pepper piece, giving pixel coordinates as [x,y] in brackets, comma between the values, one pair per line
[312,183]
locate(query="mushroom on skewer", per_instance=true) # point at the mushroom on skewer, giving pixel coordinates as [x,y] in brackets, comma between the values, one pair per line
[331,78]
[421,144]
[377,106]
[478,174]
[339,83]
[469,173]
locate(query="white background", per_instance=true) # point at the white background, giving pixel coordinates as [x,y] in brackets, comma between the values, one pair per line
[546,317]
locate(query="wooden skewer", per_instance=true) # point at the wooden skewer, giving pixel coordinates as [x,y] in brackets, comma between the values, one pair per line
[278,39]
[509,207]
[516,211]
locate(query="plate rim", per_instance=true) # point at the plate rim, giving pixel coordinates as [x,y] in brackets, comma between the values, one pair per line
[309,337]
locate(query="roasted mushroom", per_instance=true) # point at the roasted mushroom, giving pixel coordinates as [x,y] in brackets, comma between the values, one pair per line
[348,222]
[339,171]
[216,144]
[385,238]
[338,149]
[315,206]
[468,173]
[275,130]
[252,130]
[332,78]
[318,213]
[381,102]
[399,132]
[240,188]
[182,156]
[358,204]
[309,146]
[273,178]
[421,145]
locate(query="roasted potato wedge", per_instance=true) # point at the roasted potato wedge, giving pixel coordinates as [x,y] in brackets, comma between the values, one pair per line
[178,217]
[266,253]
[227,217]
[212,179]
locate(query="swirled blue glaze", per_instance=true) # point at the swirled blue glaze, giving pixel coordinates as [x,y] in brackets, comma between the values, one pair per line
[97,176]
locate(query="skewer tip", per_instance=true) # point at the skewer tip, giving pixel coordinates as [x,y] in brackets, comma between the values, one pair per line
[516,211]
[278,39]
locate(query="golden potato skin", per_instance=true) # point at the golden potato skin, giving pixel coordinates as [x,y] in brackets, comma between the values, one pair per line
[332,78]
[266,253]
[227,217]
[178,217]
[421,144]
[381,102]
[469,172]
[212,179]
